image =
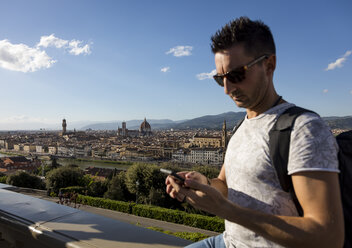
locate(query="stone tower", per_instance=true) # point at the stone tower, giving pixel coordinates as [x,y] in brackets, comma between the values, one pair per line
[64,125]
[124,132]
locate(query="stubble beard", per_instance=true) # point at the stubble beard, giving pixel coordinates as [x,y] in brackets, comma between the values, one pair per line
[241,101]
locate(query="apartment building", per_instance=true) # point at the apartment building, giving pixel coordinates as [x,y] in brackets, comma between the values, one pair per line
[29,148]
[211,156]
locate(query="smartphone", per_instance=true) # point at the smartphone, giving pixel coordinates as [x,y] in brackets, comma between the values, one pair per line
[172,173]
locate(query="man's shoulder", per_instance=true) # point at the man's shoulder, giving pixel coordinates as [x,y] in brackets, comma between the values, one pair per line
[309,120]
[304,116]
[307,124]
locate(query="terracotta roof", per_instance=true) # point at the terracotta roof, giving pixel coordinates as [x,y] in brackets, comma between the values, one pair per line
[17,159]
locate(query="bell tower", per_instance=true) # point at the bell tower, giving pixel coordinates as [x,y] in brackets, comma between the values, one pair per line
[64,125]
[124,132]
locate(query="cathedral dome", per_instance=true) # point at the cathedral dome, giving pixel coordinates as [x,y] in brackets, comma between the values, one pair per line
[145,126]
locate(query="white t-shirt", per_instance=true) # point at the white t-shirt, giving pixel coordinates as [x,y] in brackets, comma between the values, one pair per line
[251,178]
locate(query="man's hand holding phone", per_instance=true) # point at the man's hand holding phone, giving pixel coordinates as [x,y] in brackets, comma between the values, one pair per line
[179,179]
[174,175]
[196,190]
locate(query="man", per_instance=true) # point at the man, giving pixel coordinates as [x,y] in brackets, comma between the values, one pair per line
[247,192]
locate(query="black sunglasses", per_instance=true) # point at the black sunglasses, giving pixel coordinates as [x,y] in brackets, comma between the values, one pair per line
[238,74]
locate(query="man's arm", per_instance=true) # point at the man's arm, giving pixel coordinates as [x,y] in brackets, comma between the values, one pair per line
[318,193]
[220,182]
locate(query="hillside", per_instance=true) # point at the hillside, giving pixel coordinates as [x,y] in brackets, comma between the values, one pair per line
[208,122]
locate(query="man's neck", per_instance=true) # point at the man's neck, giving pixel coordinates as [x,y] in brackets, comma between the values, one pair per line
[275,100]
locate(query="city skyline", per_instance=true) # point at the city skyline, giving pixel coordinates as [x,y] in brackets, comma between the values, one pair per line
[89,62]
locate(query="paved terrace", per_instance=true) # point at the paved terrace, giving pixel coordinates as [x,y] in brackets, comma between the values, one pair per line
[26,221]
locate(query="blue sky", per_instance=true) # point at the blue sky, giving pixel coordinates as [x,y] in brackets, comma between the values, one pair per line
[121,60]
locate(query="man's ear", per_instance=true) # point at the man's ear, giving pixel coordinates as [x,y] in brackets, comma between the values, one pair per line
[271,64]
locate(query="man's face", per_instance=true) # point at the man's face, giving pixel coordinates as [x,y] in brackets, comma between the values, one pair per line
[251,91]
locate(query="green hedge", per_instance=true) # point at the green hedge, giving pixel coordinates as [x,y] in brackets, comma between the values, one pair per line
[215,224]
[175,216]
[125,207]
[3,179]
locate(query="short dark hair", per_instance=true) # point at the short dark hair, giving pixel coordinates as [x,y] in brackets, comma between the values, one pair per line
[254,35]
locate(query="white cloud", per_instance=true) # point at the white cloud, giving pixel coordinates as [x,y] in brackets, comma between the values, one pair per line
[325,91]
[20,57]
[74,47]
[206,75]
[165,69]
[351,92]
[180,51]
[51,40]
[339,62]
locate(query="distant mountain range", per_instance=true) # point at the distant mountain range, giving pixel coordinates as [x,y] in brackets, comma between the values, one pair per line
[208,122]
[339,122]
[132,125]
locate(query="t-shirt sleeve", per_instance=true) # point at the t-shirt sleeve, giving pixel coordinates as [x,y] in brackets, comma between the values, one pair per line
[313,147]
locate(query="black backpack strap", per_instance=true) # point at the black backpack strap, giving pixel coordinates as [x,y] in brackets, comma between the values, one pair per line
[279,147]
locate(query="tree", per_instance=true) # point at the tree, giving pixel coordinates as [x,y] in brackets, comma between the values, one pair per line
[63,177]
[139,179]
[147,183]
[98,188]
[117,189]
[95,186]
[26,180]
